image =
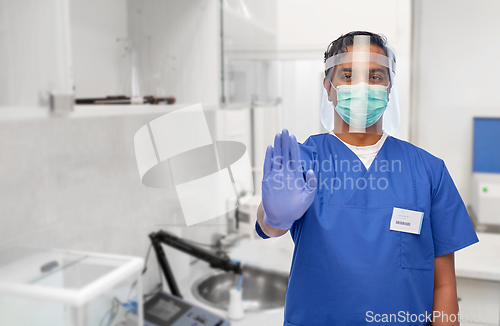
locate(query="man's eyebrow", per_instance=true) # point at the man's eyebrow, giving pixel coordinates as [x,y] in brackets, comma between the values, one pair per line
[345,70]
[377,70]
[371,70]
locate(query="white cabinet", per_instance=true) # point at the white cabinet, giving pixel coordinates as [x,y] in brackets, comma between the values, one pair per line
[209,51]
[478,280]
[249,49]
[479,301]
[35,52]
[177,48]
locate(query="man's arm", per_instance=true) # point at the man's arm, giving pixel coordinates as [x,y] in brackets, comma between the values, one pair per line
[268,230]
[445,291]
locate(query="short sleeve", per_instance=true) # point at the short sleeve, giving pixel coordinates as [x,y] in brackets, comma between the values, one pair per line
[451,226]
[259,231]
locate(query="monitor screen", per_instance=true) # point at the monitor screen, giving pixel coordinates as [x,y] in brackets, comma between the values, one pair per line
[486,145]
[164,309]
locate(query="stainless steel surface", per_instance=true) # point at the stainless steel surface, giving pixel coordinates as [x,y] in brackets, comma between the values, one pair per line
[263,290]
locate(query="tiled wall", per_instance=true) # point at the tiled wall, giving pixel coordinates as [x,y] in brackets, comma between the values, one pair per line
[73,183]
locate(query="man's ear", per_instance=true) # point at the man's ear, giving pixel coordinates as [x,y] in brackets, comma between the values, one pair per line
[328,88]
[326,85]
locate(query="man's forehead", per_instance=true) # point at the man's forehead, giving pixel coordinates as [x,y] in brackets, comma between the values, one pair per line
[373,48]
[350,66]
[363,65]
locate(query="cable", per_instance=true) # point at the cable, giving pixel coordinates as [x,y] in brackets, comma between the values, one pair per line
[159,286]
[104,317]
[130,290]
[146,260]
[116,303]
[112,312]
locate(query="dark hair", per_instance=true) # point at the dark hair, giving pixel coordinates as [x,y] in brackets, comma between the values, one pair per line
[340,45]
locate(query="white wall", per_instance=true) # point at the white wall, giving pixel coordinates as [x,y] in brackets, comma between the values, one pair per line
[456,73]
[305,28]
[301,97]
[72,183]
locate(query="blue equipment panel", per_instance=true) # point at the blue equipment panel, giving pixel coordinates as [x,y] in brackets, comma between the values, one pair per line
[167,310]
[486,145]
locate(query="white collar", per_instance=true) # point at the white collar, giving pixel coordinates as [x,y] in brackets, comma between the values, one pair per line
[370,149]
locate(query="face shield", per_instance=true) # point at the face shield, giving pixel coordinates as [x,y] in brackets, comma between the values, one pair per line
[360,90]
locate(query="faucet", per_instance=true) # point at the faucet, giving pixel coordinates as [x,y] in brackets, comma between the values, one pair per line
[233,220]
[224,242]
[220,242]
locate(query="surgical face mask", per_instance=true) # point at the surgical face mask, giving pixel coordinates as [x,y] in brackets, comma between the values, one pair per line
[361,105]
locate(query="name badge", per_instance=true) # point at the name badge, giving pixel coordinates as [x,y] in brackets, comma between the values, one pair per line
[404,220]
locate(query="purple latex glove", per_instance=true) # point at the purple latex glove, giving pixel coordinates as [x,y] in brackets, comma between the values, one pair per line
[285,194]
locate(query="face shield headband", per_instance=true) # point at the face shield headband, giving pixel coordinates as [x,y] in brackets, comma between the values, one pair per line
[361,104]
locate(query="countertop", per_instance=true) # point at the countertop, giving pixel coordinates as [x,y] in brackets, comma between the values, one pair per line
[480,260]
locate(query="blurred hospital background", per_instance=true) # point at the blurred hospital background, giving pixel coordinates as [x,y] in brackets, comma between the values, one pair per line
[78,79]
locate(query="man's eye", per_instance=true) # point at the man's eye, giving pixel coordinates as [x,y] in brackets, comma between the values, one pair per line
[376,77]
[346,76]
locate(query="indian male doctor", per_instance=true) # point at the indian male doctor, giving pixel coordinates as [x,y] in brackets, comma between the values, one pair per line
[375,220]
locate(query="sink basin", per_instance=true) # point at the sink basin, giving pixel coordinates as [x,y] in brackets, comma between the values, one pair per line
[262,289]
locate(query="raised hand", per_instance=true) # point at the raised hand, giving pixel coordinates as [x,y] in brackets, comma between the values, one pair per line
[285,194]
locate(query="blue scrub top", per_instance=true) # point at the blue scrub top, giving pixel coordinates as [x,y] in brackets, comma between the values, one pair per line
[348,267]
